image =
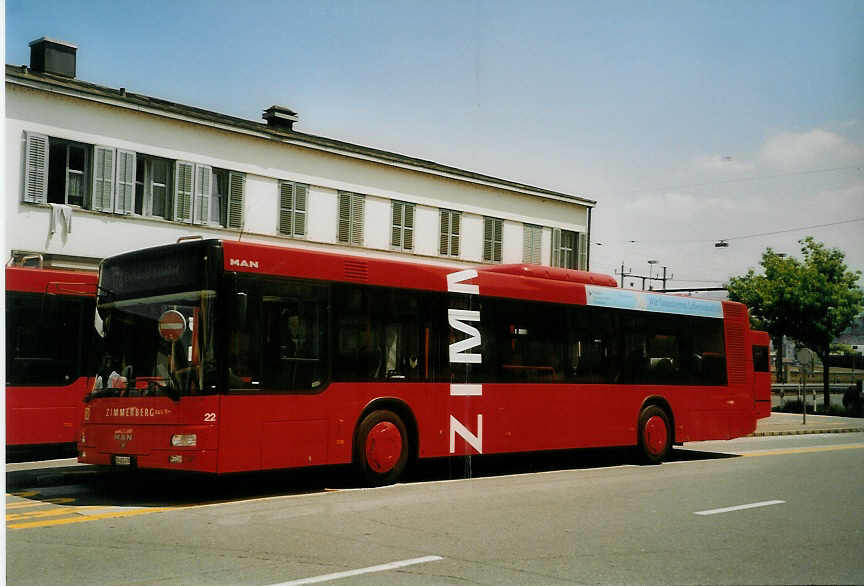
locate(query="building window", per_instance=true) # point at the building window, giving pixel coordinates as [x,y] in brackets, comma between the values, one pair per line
[292,208]
[402,226]
[532,244]
[219,207]
[112,180]
[351,211]
[492,239]
[56,171]
[450,229]
[569,249]
[67,172]
[152,181]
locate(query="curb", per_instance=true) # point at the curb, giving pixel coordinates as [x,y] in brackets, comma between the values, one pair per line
[806,431]
[46,477]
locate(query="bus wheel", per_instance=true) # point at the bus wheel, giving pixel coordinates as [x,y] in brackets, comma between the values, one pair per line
[655,435]
[381,450]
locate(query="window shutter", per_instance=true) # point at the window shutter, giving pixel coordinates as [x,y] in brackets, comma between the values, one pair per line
[455,227]
[36,169]
[203,191]
[124,186]
[103,179]
[408,227]
[492,239]
[555,261]
[301,195]
[236,188]
[358,205]
[396,224]
[532,244]
[496,243]
[444,243]
[488,234]
[286,207]
[183,182]
[350,225]
[583,251]
[344,228]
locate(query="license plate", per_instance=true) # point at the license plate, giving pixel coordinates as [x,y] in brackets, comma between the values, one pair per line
[122,460]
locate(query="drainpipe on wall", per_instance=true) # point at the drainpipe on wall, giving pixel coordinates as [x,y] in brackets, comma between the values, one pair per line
[588,244]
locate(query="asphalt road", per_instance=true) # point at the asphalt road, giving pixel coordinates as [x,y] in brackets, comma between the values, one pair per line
[784,509]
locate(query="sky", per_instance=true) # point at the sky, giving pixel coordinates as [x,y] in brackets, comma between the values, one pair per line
[688,122]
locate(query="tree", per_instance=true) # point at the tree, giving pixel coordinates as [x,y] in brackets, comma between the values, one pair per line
[768,299]
[812,300]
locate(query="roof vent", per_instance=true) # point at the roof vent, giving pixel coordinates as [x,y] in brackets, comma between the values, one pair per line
[53,56]
[280,117]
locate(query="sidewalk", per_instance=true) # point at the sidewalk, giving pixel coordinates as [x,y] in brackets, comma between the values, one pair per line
[791,424]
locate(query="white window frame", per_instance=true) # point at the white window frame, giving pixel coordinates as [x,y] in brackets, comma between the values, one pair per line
[147,183]
[569,249]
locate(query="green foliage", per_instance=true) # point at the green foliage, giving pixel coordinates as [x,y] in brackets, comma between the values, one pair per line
[812,300]
[843,349]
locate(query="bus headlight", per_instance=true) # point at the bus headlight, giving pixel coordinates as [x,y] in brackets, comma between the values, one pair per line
[189,440]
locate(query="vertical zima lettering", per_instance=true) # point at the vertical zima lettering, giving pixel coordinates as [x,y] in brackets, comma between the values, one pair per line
[458,354]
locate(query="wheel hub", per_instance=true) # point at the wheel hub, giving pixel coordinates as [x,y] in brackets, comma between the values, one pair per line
[656,435]
[383,447]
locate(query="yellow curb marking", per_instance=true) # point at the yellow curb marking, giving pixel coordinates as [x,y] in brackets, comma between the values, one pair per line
[85,518]
[802,450]
[45,513]
[24,504]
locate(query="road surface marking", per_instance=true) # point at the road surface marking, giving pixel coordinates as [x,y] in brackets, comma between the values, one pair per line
[25,504]
[812,450]
[56,512]
[738,508]
[80,518]
[369,570]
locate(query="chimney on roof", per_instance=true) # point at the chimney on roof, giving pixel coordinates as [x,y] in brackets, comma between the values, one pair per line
[280,117]
[53,56]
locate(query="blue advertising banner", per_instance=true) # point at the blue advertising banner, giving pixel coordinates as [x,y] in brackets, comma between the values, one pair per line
[655,302]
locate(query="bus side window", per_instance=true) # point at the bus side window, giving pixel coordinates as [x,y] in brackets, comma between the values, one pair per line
[381,334]
[244,343]
[42,333]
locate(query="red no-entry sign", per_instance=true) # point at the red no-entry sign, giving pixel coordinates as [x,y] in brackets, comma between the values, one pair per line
[172,324]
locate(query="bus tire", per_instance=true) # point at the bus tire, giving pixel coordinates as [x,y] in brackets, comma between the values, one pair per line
[655,435]
[381,448]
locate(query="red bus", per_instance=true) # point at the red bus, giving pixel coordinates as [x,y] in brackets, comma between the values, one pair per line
[226,357]
[49,340]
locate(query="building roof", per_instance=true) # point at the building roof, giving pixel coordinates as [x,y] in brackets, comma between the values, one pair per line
[22,75]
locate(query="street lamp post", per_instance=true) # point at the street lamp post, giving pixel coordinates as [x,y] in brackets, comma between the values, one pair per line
[651,264]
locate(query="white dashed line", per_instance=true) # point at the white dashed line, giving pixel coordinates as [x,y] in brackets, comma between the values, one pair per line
[738,508]
[369,570]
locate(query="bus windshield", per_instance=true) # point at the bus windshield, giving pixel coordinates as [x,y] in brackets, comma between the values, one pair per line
[159,345]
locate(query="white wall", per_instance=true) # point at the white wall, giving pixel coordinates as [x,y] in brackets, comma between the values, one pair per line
[265,161]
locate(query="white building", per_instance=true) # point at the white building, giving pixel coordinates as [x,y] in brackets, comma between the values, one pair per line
[93,171]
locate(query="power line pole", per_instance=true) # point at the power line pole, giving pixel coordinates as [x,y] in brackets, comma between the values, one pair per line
[650,278]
